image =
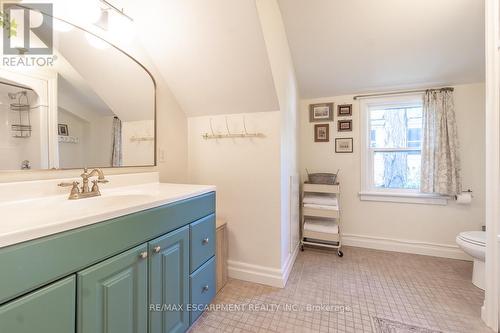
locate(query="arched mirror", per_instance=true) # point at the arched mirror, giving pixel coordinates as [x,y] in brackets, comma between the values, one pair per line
[89,104]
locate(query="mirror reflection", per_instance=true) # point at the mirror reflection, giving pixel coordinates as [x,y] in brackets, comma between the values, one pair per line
[71,115]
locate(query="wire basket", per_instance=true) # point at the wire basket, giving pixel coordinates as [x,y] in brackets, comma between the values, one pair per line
[322,178]
[23,128]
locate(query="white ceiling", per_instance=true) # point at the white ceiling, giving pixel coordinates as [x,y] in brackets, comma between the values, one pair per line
[211,53]
[351,46]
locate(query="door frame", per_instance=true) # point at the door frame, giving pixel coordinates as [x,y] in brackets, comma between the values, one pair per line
[490,311]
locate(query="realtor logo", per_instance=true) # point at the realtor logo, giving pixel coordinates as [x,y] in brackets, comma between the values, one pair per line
[28,32]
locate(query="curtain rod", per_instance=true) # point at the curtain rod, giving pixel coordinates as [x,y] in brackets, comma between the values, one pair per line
[402,92]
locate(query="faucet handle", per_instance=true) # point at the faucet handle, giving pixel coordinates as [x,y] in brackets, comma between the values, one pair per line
[75,191]
[103,181]
[95,187]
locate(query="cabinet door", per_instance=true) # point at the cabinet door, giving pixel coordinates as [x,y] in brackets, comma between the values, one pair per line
[113,295]
[48,310]
[169,282]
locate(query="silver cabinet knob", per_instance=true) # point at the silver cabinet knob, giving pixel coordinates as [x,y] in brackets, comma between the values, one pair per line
[157,249]
[205,241]
[143,255]
[205,288]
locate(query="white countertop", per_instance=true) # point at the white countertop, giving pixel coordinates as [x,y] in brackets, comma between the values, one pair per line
[28,219]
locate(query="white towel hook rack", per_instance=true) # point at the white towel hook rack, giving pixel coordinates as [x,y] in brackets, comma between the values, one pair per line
[211,127]
[227,127]
[245,125]
[229,135]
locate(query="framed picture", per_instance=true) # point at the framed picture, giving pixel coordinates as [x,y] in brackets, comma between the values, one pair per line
[321,112]
[344,126]
[62,129]
[344,110]
[322,133]
[343,145]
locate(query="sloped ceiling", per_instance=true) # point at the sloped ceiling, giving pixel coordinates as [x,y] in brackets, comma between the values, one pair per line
[352,46]
[124,95]
[211,53]
[213,57]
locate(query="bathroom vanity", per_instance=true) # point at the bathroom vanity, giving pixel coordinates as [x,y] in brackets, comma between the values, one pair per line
[138,259]
[133,255]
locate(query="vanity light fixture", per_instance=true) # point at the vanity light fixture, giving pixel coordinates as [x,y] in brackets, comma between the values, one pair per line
[118,24]
[105,19]
[115,9]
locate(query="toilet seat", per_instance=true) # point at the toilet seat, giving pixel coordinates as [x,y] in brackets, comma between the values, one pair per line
[477,238]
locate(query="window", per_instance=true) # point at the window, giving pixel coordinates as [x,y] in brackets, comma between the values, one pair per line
[392,152]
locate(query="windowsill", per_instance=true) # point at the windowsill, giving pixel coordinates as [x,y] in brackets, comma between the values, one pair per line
[402,197]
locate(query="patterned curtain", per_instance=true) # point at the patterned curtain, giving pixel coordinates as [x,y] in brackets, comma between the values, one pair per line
[116,159]
[440,149]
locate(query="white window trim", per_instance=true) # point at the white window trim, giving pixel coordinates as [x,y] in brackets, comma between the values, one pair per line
[368,192]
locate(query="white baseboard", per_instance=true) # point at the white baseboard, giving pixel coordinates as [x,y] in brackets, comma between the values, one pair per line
[255,273]
[287,268]
[405,246]
[261,274]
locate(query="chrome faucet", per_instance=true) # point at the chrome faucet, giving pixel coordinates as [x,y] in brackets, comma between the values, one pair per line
[85,191]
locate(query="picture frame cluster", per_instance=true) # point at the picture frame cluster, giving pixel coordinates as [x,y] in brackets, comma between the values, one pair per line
[324,113]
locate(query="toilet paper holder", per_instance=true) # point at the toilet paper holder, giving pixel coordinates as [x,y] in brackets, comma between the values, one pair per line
[468,191]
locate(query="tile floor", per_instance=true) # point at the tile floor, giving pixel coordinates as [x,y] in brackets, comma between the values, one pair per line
[424,291]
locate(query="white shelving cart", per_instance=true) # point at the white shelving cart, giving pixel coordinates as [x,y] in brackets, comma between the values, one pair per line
[320,217]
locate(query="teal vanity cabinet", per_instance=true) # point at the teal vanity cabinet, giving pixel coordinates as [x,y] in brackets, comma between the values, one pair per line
[49,309]
[109,276]
[113,295]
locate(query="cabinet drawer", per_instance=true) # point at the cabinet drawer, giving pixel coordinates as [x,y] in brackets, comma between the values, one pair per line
[202,245]
[48,310]
[202,284]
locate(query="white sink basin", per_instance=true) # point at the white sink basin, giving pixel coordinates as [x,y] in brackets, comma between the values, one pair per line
[22,220]
[38,212]
[108,201]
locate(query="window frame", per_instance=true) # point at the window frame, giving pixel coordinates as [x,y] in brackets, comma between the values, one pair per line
[368,190]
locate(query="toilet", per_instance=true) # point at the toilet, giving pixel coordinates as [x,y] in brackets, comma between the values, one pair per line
[474,244]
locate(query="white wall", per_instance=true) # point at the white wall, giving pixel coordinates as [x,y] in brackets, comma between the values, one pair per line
[95,133]
[137,152]
[73,155]
[247,175]
[256,179]
[171,136]
[424,229]
[285,84]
